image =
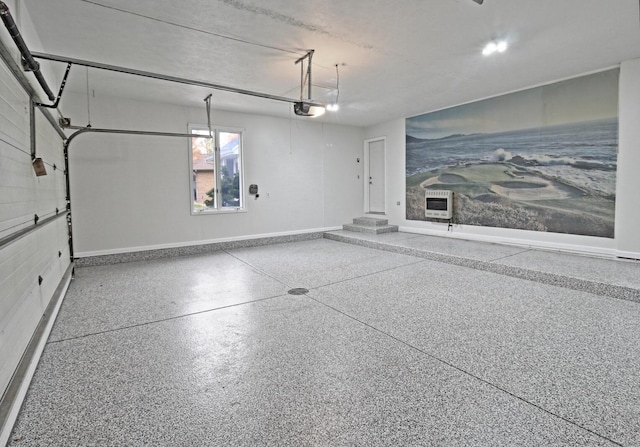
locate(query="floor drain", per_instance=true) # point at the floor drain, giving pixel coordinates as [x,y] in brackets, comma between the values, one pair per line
[298,291]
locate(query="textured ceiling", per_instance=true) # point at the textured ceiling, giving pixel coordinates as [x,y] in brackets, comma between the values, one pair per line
[396,58]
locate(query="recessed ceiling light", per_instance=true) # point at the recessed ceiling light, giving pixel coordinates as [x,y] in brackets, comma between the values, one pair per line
[333,107]
[490,48]
[499,46]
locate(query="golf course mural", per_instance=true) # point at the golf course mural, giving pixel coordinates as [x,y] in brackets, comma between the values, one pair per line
[542,159]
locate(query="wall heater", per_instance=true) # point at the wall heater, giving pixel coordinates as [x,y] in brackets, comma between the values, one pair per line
[438,204]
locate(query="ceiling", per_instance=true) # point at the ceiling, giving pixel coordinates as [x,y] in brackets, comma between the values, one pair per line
[395,58]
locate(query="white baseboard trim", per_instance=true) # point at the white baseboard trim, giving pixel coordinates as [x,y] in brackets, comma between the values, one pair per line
[117,251]
[33,354]
[600,252]
[628,255]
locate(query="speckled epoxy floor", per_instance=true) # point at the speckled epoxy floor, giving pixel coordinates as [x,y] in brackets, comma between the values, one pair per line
[387,348]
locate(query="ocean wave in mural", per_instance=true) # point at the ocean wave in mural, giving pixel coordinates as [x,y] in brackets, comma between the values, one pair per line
[544,159]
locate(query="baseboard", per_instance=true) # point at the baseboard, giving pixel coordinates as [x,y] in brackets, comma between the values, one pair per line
[132,254]
[17,390]
[628,255]
[525,243]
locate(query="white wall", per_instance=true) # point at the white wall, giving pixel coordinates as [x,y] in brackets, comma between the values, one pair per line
[628,180]
[627,236]
[132,193]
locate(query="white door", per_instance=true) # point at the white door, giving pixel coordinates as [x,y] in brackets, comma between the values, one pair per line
[376,180]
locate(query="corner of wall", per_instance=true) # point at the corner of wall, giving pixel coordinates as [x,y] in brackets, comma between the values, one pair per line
[628,181]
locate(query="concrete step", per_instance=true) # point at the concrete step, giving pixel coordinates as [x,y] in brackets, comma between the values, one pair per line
[370,221]
[372,229]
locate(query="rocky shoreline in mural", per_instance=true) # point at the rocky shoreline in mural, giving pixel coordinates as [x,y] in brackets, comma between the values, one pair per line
[559,179]
[513,198]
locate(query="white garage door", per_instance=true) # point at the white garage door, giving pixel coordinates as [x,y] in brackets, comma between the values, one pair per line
[33,256]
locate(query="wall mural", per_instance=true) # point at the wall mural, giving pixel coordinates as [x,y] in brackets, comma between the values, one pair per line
[542,159]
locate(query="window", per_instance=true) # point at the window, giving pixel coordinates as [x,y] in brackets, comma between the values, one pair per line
[216,170]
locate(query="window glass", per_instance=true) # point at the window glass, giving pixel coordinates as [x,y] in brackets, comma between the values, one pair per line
[230,169]
[216,170]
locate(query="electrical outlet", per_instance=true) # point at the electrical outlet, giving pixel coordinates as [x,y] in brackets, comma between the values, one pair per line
[398,203]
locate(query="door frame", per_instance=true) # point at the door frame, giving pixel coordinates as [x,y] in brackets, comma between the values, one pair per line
[366,172]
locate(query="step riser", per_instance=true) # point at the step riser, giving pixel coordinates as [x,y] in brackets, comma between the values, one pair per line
[370,221]
[370,229]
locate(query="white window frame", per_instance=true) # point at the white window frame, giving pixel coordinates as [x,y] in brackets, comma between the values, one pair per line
[217,170]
